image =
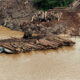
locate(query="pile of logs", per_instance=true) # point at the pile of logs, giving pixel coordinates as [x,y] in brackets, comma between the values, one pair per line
[25,45]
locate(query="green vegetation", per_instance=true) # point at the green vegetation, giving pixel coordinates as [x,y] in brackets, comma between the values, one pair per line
[49,4]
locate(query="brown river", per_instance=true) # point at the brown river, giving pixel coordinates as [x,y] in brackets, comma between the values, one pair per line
[61,64]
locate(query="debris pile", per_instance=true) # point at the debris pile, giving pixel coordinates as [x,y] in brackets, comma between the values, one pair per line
[46,16]
[25,45]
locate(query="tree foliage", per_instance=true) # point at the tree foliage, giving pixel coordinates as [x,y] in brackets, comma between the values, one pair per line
[48,4]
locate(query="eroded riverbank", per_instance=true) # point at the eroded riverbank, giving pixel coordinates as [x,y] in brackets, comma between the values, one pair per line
[12,43]
[61,64]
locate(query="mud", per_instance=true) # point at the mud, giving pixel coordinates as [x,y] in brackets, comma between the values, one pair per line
[6,33]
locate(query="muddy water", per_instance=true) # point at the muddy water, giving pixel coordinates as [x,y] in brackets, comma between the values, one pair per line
[7,33]
[63,64]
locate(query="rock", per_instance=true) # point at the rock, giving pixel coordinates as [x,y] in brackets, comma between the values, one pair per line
[60,28]
[46,16]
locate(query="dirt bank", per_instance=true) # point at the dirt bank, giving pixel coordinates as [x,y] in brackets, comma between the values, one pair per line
[14,13]
[68,23]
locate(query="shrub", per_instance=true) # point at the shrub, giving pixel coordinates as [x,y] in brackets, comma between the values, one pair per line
[49,4]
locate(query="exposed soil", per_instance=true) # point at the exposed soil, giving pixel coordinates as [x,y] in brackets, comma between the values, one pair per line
[69,24]
[15,12]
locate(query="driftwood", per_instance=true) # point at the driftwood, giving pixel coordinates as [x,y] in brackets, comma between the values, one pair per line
[24,45]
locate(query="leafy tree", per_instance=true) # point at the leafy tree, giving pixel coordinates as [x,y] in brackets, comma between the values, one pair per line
[48,4]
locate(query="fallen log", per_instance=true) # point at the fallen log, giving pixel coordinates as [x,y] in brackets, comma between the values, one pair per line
[25,45]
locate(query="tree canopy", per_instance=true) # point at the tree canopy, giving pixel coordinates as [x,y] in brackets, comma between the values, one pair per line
[49,4]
